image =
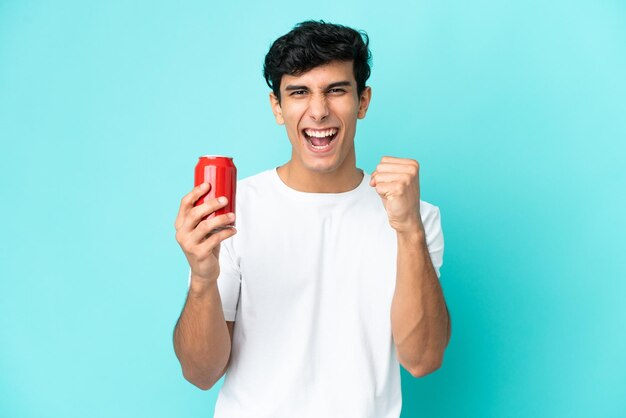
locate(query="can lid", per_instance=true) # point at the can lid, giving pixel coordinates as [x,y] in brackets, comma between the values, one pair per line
[216,156]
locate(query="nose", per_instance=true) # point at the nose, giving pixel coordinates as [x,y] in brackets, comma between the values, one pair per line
[318,108]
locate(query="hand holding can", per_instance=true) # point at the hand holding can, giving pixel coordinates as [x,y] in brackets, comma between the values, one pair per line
[220,172]
[205,219]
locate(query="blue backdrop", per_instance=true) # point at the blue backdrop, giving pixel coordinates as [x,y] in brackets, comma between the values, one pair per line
[516,112]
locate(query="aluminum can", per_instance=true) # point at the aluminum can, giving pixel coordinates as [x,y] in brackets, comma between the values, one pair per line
[220,172]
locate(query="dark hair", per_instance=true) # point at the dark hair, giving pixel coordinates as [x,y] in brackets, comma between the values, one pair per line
[311,44]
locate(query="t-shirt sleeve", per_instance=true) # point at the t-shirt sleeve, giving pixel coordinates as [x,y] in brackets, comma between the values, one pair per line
[229,280]
[431,219]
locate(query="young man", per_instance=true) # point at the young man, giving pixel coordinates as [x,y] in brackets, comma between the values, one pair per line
[331,280]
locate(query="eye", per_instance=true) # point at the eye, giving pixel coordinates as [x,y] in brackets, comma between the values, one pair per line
[297,93]
[337,91]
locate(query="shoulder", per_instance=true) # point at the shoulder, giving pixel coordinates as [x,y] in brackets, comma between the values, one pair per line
[431,216]
[256,181]
[261,177]
[428,208]
[431,219]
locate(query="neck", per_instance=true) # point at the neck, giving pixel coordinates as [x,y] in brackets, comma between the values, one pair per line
[339,181]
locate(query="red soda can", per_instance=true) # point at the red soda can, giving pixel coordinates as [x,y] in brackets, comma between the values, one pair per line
[221,173]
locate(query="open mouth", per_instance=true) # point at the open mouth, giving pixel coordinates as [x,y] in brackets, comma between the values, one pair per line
[320,139]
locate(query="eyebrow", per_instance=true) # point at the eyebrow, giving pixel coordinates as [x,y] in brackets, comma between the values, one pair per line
[345,83]
[339,84]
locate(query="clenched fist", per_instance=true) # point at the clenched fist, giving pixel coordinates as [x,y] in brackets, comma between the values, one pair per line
[397,182]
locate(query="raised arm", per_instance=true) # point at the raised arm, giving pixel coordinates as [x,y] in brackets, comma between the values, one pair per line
[202,337]
[420,321]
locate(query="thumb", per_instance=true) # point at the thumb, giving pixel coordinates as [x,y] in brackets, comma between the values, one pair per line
[373,179]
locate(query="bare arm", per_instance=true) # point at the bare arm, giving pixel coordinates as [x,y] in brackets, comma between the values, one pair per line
[419,316]
[202,337]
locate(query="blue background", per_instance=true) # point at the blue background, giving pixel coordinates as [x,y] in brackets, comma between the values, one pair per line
[515,110]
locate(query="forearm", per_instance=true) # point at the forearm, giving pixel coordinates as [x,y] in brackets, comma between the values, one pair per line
[201,337]
[419,317]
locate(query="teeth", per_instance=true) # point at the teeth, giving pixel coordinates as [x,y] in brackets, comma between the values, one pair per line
[319,146]
[320,134]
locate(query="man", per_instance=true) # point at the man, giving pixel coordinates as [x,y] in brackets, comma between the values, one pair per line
[331,280]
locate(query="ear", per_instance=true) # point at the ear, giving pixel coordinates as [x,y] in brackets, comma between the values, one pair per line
[364,101]
[276,109]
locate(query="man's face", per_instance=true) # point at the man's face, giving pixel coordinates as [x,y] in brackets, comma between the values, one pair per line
[319,109]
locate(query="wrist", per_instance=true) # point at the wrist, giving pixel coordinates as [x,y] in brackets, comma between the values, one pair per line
[200,286]
[413,234]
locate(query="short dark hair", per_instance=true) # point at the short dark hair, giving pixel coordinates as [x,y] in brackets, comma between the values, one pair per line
[311,44]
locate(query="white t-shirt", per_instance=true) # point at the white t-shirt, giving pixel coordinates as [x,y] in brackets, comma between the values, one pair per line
[309,279]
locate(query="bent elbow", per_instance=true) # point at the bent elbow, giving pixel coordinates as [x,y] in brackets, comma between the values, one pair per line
[424,369]
[201,382]
[203,386]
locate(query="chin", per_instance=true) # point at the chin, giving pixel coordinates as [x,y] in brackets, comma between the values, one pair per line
[322,167]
